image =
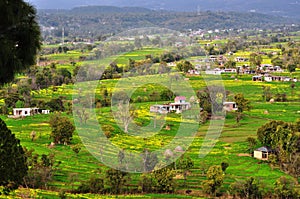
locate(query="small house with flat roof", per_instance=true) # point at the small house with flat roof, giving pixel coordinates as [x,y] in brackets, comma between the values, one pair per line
[263,153]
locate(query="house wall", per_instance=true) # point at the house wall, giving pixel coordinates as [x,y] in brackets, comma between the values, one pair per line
[22,112]
[258,154]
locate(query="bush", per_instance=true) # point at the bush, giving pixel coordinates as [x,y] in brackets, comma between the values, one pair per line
[94,185]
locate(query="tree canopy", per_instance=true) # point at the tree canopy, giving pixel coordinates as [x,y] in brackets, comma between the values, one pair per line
[13,165]
[19,38]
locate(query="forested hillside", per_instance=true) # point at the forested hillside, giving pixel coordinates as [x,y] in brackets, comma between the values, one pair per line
[95,20]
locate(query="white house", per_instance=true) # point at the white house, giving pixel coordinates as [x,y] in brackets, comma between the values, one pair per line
[23,112]
[268,78]
[178,106]
[216,71]
[262,153]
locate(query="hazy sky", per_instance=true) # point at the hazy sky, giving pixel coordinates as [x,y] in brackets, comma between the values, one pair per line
[44,4]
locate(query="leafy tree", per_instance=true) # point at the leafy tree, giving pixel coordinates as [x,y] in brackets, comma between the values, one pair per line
[13,160]
[55,105]
[242,103]
[93,185]
[251,144]
[184,66]
[116,179]
[215,177]
[166,94]
[285,188]
[211,99]
[266,131]
[146,183]
[185,163]
[224,166]
[291,68]
[20,38]
[246,189]
[164,179]
[255,59]
[41,169]
[230,64]
[62,129]
[267,95]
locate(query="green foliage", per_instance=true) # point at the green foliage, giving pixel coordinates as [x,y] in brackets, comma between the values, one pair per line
[164,180]
[251,144]
[167,95]
[267,94]
[291,68]
[224,166]
[76,148]
[116,179]
[255,59]
[184,66]
[211,99]
[55,105]
[13,160]
[246,189]
[20,38]
[215,177]
[62,129]
[41,169]
[285,188]
[93,185]
[282,138]
[242,103]
[146,183]
[266,132]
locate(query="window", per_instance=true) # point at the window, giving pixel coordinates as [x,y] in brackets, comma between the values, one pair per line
[264,155]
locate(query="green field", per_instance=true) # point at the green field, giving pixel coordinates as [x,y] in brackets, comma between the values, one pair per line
[230,147]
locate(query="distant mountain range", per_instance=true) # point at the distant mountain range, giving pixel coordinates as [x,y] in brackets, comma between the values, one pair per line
[96,20]
[286,8]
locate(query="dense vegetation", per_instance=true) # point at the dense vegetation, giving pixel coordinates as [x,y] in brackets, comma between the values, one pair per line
[56,161]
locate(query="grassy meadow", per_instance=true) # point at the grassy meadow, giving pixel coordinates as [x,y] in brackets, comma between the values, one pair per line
[230,147]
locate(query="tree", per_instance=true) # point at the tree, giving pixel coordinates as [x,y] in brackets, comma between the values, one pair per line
[62,129]
[224,166]
[255,59]
[242,103]
[215,177]
[267,95]
[116,179]
[164,179]
[185,163]
[146,183]
[291,68]
[126,114]
[20,38]
[246,189]
[41,169]
[285,188]
[149,160]
[266,131]
[13,160]
[93,185]
[184,66]
[251,144]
